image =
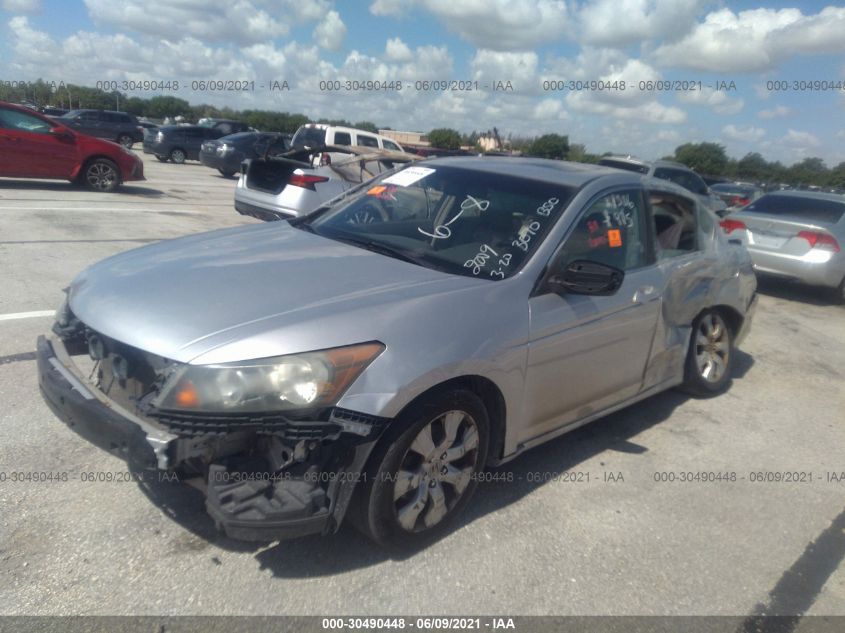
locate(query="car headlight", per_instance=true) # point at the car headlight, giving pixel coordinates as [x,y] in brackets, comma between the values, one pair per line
[297,381]
[224,149]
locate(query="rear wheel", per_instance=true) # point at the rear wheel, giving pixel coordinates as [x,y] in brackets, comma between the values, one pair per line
[708,365]
[178,156]
[101,175]
[126,140]
[424,471]
[226,173]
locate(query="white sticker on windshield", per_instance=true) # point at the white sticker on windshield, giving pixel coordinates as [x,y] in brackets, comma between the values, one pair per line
[408,176]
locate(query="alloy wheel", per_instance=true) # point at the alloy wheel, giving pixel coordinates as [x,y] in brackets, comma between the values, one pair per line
[436,470]
[101,176]
[712,347]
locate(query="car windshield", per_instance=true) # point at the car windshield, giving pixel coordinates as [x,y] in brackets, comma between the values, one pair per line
[72,114]
[452,219]
[808,209]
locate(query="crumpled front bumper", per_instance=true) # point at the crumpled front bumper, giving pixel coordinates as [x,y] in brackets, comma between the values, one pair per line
[243,506]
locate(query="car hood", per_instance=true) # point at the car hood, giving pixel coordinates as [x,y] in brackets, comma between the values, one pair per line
[276,288]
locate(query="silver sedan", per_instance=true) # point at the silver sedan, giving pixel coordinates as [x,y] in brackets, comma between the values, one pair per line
[308,370]
[795,235]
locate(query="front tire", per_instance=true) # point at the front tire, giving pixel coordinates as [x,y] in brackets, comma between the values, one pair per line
[101,175]
[178,156]
[424,471]
[710,355]
[126,140]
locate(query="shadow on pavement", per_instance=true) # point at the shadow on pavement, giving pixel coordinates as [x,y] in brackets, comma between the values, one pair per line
[793,291]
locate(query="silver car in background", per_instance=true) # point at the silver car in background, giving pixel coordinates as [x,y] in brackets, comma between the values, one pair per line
[289,184]
[301,371]
[795,235]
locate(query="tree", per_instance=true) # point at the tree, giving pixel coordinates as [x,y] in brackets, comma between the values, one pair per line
[705,158]
[445,138]
[753,166]
[550,146]
[579,154]
[161,107]
[366,125]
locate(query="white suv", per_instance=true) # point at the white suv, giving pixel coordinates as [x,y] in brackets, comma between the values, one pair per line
[317,134]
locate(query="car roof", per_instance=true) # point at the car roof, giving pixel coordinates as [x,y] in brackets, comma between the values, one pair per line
[544,169]
[633,160]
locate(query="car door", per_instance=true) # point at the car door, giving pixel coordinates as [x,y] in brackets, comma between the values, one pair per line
[587,353]
[88,122]
[29,150]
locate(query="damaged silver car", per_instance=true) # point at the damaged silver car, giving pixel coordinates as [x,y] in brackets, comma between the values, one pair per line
[321,369]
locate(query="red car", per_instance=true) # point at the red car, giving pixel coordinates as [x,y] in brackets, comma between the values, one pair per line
[35,146]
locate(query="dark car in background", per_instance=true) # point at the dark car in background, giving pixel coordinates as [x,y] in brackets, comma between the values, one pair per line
[227,153]
[35,146]
[179,143]
[120,127]
[51,111]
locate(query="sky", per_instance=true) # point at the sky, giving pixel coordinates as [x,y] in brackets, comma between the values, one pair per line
[755,64]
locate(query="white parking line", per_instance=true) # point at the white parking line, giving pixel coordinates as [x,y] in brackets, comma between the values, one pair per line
[27,315]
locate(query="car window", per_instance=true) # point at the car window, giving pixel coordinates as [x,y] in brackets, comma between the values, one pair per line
[686,179]
[342,138]
[390,145]
[807,209]
[367,141]
[89,117]
[197,133]
[457,220]
[611,232]
[14,120]
[675,224]
[309,137]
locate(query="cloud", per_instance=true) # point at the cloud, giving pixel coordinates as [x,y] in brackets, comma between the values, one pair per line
[240,21]
[388,7]
[774,113]
[502,24]
[746,134]
[621,23]
[395,50]
[716,100]
[21,6]
[330,32]
[651,111]
[798,139]
[754,40]
[520,68]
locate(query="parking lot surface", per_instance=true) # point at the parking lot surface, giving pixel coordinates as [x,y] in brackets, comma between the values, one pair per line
[628,541]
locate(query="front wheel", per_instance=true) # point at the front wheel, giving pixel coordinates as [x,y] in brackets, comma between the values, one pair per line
[708,365]
[101,175]
[126,140]
[178,156]
[425,470]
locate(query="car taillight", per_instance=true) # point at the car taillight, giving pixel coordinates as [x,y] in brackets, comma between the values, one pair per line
[306,181]
[821,241]
[730,226]
[739,201]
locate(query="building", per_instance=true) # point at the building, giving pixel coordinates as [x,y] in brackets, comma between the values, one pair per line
[406,138]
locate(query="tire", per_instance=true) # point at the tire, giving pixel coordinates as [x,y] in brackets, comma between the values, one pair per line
[395,512]
[226,173]
[126,140]
[837,295]
[178,155]
[707,370]
[162,159]
[101,175]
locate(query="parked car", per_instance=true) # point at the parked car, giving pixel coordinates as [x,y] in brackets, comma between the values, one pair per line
[179,143]
[672,171]
[35,146]
[736,194]
[53,112]
[380,367]
[795,235]
[120,127]
[227,153]
[287,185]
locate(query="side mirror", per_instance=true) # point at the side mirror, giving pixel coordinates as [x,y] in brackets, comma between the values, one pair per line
[584,277]
[62,133]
